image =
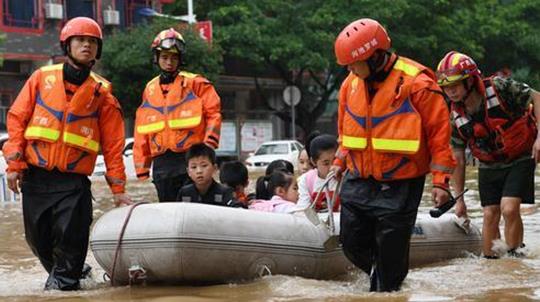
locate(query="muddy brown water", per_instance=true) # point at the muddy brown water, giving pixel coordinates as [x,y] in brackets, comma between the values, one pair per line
[465,279]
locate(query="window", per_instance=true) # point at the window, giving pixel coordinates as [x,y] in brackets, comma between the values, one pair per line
[80,8]
[6,98]
[273,149]
[20,14]
[132,11]
[120,6]
[293,147]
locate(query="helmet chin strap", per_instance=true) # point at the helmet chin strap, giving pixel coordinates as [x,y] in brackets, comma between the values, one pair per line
[376,67]
[469,89]
[167,77]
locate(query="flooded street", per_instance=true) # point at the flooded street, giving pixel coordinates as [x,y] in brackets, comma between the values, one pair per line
[466,279]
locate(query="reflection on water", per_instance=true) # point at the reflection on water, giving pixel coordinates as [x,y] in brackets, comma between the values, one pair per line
[466,279]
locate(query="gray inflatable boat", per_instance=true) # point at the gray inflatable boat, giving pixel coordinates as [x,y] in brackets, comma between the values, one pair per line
[188,243]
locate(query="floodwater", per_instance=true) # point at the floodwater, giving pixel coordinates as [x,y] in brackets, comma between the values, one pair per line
[465,279]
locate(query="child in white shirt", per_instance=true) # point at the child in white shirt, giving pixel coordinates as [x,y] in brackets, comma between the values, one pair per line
[322,151]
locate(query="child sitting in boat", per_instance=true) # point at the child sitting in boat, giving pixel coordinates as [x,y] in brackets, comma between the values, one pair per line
[322,151]
[278,164]
[234,174]
[282,185]
[304,164]
[201,160]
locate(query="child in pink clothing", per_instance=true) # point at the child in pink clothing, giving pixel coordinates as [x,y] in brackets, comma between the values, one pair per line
[282,185]
[321,151]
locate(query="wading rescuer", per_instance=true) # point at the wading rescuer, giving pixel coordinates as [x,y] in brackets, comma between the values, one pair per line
[179,109]
[393,130]
[493,117]
[63,116]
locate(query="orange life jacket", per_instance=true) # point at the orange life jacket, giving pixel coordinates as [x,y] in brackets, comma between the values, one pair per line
[173,122]
[503,135]
[61,134]
[382,134]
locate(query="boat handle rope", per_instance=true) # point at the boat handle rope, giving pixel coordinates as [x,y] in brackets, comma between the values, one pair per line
[438,211]
[330,201]
[120,237]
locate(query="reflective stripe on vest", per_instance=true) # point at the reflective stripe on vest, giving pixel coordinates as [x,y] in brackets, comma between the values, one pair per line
[42,132]
[151,128]
[491,96]
[353,142]
[404,145]
[81,141]
[408,69]
[185,122]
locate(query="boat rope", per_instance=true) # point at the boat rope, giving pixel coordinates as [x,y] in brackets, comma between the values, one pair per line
[330,201]
[120,237]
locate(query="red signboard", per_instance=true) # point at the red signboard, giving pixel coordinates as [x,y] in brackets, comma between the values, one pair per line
[205,30]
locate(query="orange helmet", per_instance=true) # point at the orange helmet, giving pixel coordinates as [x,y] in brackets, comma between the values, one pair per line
[81,26]
[359,40]
[455,67]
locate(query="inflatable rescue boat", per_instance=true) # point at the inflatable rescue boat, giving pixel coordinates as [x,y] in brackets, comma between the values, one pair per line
[189,243]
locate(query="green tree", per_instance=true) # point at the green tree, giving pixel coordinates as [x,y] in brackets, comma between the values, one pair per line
[127,59]
[296,38]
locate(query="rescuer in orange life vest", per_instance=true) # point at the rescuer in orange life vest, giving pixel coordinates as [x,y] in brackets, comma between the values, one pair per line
[493,118]
[63,116]
[179,109]
[393,130]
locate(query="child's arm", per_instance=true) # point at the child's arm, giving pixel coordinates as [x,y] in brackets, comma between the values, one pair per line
[304,198]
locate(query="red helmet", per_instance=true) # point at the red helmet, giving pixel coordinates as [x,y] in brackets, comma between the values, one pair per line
[359,40]
[169,40]
[81,26]
[455,67]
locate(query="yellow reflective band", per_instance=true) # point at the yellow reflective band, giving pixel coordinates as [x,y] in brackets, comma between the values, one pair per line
[150,128]
[353,142]
[81,141]
[407,68]
[185,122]
[52,67]
[100,79]
[354,83]
[188,75]
[42,132]
[404,145]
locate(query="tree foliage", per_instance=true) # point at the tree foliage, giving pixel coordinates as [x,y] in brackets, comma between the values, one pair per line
[296,38]
[127,59]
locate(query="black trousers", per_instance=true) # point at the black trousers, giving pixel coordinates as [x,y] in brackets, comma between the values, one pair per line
[168,187]
[377,219]
[57,210]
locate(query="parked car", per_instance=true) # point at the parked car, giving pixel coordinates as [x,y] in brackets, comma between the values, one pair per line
[270,151]
[100,169]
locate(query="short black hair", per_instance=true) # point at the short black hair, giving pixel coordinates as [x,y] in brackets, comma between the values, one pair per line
[309,139]
[279,164]
[201,150]
[233,173]
[321,143]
